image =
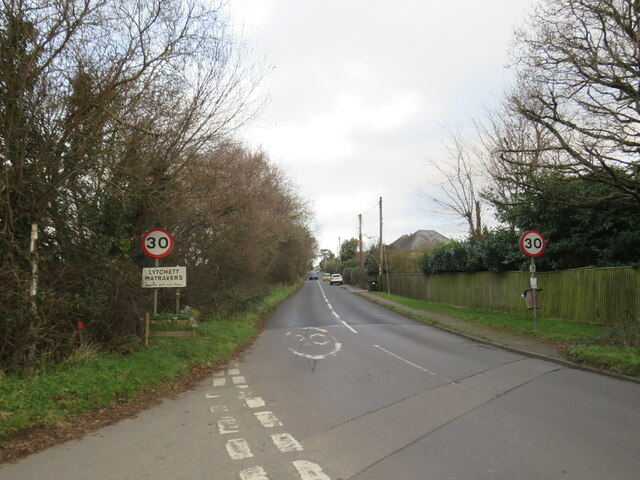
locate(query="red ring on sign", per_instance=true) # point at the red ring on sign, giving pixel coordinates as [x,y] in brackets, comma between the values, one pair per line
[164,253]
[522,247]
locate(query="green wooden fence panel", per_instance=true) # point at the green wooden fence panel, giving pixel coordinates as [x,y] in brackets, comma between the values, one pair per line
[607,296]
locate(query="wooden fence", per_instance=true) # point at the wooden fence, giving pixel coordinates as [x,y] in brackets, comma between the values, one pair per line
[607,296]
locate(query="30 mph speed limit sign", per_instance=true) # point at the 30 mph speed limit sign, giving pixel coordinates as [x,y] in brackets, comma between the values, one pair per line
[532,243]
[157,243]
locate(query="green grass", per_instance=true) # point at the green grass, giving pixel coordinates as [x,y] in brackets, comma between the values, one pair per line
[623,360]
[92,380]
[599,346]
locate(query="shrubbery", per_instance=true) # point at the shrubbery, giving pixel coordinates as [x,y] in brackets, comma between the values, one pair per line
[496,251]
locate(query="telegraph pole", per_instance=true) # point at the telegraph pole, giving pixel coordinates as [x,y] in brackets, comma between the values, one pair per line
[381,254]
[360,257]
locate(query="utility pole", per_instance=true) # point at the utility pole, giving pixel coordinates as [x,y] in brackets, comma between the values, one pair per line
[360,257]
[381,254]
[338,251]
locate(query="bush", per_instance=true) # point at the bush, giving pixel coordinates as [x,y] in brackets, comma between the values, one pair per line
[355,276]
[496,251]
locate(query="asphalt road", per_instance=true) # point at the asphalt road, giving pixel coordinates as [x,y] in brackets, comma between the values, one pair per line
[338,387]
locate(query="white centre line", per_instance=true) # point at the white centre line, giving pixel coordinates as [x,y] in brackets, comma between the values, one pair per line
[309,471]
[405,360]
[286,443]
[333,312]
[238,449]
[349,326]
[253,473]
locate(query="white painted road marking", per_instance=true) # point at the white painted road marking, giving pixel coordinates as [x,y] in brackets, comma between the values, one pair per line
[349,326]
[268,419]
[238,448]
[219,408]
[333,312]
[255,402]
[405,360]
[315,339]
[253,473]
[309,471]
[286,443]
[238,380]
[228,425]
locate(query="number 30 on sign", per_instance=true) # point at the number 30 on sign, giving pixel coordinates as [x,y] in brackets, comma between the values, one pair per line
[532,243]
[157,243]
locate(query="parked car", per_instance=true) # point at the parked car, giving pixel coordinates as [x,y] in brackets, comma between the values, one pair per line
[326,276]
[336,279]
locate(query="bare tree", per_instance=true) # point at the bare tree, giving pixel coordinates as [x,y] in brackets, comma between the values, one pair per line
[461,178]
[577,96]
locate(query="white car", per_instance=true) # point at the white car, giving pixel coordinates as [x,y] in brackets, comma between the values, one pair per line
[336,279]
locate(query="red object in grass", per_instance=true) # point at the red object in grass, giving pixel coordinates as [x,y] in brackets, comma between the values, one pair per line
[80,324]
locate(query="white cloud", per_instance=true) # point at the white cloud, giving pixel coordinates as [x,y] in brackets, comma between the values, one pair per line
[362,92]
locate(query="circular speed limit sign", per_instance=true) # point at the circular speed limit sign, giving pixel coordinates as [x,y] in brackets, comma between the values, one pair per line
[532,243]
[157,243]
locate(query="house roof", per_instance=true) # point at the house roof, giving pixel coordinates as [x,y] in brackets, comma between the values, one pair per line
[420,240]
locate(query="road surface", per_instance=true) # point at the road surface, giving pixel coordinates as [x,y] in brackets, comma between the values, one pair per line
[338,387]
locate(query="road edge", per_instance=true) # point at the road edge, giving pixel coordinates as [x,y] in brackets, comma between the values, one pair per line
[560,361]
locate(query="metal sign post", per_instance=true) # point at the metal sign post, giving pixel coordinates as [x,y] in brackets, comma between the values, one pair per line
[155,292]
[157,243]
[533,244]
[534,292]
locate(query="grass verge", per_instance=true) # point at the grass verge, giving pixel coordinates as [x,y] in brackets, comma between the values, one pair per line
[598,346]
[91,380]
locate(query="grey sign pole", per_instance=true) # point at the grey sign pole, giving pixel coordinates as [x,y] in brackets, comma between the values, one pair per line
[155,292]
[534,293]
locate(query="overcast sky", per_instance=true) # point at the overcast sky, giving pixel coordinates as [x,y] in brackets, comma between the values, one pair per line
[363,92]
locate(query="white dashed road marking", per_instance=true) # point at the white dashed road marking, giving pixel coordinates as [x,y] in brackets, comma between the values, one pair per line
[238,448]
[255,402]
[348,326]
[309,471]
[405,360]
[218,408]
[238,380]
[286,443]
[253,473]
[334,313]
[268,419]
[227,425]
